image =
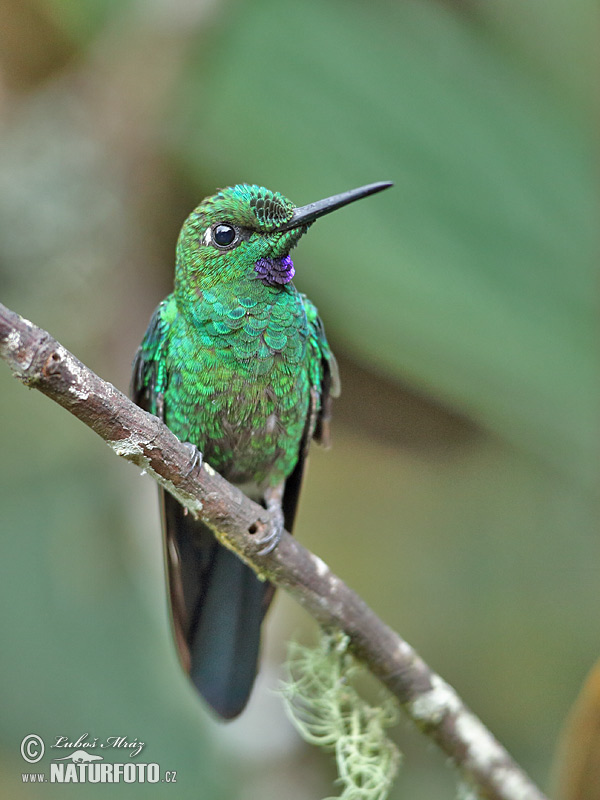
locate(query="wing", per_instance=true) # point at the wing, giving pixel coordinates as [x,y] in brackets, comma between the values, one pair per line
[149,376]
[149,382]
[325,384]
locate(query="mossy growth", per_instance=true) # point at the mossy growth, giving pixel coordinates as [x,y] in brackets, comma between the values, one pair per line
[328,711]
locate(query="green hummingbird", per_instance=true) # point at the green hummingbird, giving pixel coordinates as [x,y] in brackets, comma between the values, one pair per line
[236,363]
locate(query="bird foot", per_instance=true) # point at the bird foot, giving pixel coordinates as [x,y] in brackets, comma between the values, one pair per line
[196,460]
[272,538]
[196,457]
[277,525]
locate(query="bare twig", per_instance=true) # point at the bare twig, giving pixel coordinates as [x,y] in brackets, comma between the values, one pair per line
[41,362]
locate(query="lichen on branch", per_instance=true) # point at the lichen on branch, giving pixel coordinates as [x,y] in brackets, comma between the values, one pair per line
[324,705]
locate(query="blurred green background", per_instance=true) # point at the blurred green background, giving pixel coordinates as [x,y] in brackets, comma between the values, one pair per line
[461,492]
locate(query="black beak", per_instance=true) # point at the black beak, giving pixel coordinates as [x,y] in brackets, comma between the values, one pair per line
[307,214]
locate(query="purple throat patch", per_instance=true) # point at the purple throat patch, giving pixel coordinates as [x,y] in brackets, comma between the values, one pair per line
[275,271]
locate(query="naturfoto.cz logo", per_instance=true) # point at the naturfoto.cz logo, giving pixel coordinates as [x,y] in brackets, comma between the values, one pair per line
[83,766]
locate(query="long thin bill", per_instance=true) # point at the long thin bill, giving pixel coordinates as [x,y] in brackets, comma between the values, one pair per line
[307,214]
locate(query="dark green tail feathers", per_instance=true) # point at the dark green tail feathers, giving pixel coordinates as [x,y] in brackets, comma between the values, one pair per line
[218,605]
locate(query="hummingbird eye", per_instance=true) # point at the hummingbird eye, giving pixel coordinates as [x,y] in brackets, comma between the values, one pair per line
[224,235]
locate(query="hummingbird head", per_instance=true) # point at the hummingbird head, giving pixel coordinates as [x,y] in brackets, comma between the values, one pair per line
[247,231]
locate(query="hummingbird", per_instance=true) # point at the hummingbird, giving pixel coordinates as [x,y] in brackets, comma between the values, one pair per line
[236,363]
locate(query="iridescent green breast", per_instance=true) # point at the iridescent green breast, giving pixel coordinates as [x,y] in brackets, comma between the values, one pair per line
[239,381]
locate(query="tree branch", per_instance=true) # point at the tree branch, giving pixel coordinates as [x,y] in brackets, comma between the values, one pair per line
[39,361]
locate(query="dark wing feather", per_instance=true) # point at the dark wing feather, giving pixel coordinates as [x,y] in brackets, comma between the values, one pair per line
[325,384]
[149,372]
[148,385]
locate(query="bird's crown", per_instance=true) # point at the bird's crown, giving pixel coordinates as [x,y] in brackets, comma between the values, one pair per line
[253,206]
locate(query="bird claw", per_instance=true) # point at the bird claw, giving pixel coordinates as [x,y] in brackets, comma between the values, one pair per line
[196,457]
[270,541]
[273,499]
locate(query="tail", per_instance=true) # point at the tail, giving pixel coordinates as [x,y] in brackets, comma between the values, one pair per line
[217,606]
